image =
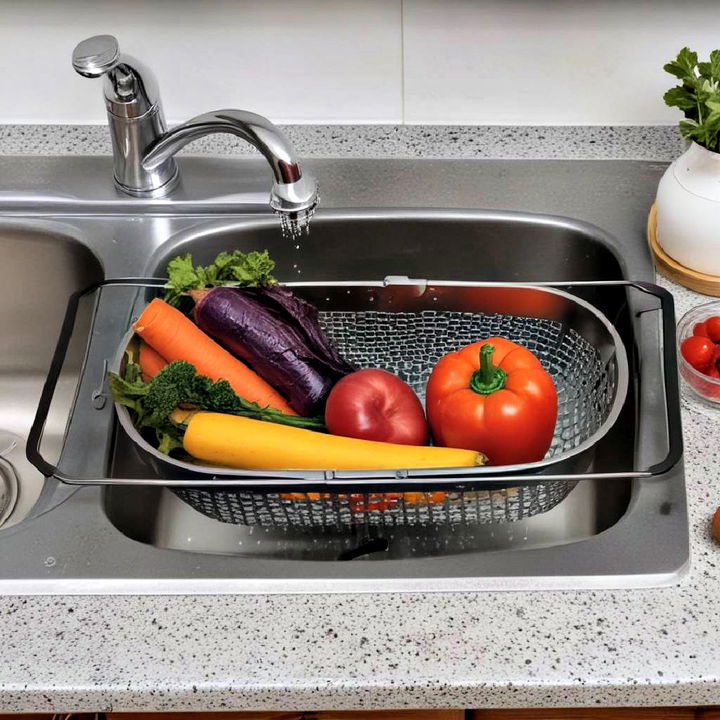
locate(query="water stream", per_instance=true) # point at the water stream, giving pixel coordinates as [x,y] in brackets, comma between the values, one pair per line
[295,225]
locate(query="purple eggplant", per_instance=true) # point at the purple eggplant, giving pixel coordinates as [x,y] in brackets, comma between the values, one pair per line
[279,336]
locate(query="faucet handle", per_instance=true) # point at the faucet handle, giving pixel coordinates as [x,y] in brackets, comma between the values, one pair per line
[135,117]
[130,87]
[96,55]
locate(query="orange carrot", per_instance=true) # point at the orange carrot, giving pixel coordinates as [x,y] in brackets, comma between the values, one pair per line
[151,362]
[174,337]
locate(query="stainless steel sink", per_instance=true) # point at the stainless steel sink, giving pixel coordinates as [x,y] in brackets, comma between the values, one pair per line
[143,539]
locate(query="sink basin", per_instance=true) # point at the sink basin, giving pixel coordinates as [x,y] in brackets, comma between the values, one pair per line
[488,247]
[41,268]
[144,539]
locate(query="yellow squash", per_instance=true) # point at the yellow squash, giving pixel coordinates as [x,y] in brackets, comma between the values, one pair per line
[238,442]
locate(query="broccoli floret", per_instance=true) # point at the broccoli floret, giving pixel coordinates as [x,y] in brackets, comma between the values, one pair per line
[168,389]
[222,397]
[178,384]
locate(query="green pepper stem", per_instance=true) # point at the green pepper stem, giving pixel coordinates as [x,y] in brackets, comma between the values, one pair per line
[488,378]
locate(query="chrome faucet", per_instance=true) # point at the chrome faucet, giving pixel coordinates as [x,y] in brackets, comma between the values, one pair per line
[144,149]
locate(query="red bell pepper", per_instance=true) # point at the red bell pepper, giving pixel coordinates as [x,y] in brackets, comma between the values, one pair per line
[494,397]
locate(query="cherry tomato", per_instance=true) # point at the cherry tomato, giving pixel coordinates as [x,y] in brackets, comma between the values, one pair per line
[700,329]
[710,388]
[712,327]
[376,405]
[698,351]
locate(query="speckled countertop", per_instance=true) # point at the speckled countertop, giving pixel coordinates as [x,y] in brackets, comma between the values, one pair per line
[639,647]
[636,142]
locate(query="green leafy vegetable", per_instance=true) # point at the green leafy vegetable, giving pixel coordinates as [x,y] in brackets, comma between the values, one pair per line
[698,97]
[178,384]
[253,269]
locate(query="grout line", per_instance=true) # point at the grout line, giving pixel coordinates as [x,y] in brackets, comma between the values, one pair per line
[402,62]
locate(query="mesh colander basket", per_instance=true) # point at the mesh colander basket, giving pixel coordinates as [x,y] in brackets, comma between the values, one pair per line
[406,327]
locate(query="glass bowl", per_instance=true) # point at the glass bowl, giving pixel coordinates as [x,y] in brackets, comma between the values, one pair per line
[696,383]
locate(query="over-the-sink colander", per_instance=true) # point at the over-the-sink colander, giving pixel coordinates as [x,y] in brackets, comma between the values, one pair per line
[406,329]
[405,326]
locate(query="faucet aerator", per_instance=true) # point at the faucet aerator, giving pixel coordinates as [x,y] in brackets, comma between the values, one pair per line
[297,197]
[295,204]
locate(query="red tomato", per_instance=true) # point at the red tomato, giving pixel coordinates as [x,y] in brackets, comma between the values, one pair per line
[700,329]
[712,328]
[376,405]
[698,351]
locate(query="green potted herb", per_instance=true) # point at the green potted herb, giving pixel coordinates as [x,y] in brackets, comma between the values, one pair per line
[688,198]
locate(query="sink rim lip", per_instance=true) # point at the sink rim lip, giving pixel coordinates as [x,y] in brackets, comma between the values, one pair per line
[341,586]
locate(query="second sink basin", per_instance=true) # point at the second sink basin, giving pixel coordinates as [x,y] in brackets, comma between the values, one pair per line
[41,268]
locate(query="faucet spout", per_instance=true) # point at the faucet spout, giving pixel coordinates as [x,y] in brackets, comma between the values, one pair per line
[144,150]
[292,192]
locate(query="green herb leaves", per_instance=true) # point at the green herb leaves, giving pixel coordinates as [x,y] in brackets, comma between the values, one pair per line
[698,97]
[684,64]
[253,269]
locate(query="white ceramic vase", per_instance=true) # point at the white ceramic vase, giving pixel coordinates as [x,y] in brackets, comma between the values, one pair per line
[688,210]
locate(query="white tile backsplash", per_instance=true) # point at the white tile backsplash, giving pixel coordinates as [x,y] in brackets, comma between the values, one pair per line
[292,60]
[516,62]
[548,62]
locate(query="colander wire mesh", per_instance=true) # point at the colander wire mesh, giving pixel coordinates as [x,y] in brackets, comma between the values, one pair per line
[409,344]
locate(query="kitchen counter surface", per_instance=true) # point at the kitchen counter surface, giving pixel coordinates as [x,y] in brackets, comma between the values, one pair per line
[334,651]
